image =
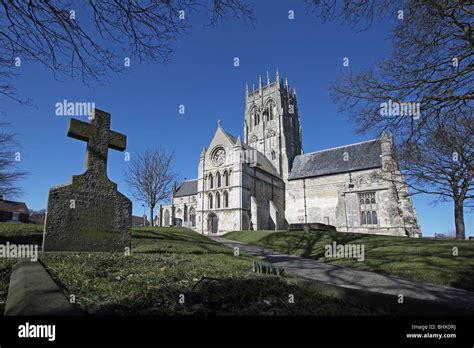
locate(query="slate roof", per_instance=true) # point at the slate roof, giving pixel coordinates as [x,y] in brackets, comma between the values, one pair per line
[188,188]
[364,155]
[14,207]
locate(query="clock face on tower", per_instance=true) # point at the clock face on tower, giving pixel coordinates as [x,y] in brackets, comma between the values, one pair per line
[218,156]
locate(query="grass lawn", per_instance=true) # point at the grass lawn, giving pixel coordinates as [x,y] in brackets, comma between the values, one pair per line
[20,229]
[5,271]
[411,258]
[168,262]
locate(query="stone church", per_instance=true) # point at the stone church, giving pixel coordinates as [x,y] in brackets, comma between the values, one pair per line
[264,181]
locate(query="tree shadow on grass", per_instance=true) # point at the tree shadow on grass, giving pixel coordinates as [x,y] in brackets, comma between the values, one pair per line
[254,295]
[432,261]
[34,238]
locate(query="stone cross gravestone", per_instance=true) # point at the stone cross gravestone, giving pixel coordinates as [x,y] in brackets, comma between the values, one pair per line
[89,214]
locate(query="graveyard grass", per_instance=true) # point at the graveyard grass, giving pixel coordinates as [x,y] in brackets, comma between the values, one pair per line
[424,260]
[20,229]
[5,271]
[168,262]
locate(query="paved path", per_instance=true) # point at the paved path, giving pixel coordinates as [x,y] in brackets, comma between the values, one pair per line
[356,279]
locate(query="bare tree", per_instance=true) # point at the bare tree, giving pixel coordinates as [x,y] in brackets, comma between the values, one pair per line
[9,159]
[430,68]
[93,38]
[442,164]
[150,177]
[431,62]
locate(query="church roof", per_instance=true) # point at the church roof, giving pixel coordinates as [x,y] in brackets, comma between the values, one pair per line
[364,155]
[14,207]
[188,188]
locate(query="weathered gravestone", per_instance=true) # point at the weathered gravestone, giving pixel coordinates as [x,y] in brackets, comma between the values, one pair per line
[89,214]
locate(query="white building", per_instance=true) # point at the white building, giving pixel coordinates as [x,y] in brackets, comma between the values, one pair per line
[266,182]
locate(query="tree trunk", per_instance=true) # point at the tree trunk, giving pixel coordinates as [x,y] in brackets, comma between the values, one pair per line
[459,220]
[151,215]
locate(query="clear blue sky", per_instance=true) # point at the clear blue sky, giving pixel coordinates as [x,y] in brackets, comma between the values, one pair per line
[144,102]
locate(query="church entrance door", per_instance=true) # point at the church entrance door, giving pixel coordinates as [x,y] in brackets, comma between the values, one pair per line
[212,223]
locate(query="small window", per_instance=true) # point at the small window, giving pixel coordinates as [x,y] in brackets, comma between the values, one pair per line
[218,200]
[210,201]
[226,199]
[226,178]
[211,181]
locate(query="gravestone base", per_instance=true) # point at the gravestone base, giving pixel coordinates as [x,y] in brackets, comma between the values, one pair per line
[32,291]
[88,214]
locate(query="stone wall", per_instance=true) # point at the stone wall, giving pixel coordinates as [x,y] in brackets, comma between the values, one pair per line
[330,200]
[267,193]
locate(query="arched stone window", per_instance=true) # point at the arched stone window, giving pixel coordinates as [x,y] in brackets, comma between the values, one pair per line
[226,178]
[209,199]
[369,218]
[252,116]
[256,117]
[192,217]
[218,179]
[211,181]
[218,200]
[270,110]
[226,199]
[273,155]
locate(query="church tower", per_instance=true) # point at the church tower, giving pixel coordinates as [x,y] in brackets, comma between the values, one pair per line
[272,124]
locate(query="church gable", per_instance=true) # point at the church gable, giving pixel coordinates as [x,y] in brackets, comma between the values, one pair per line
[220,140]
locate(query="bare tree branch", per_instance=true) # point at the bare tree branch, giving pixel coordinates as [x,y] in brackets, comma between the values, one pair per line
[430,70]
[92,38]
[10,157]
